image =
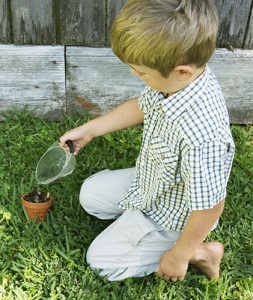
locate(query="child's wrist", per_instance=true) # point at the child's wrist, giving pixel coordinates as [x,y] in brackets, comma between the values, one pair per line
[91,129]
[181,253]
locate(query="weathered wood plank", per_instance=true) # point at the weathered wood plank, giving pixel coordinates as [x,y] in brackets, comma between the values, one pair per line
[97,81]
[33,22]
[248,42]
[234,72]
[233,22]
[113,8]
[82,22]
[88,22]
[33,77]
[5,28]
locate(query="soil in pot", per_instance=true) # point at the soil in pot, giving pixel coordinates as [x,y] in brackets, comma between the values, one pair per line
[37,204]
[37,196]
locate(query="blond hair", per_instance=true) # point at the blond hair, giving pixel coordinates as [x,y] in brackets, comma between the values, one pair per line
[162,34]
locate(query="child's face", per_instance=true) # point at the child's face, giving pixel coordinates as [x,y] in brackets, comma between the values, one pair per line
[154,78]
[178,78]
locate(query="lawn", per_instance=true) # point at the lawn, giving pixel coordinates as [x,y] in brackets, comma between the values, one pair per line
[47,260]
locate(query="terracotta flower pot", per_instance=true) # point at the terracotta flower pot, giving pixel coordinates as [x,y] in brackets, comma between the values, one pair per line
[37,211]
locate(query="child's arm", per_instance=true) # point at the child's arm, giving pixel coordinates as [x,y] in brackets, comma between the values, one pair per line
[174,263]
[125,115]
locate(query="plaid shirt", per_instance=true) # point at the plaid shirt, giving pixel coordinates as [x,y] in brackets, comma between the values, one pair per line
[186,153]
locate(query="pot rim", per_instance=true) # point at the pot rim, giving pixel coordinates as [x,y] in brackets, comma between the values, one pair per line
[40,204]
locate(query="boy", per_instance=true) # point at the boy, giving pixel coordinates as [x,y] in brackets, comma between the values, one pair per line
[165,206]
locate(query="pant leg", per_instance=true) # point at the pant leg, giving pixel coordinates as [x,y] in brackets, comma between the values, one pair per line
[130,247]
[101,193]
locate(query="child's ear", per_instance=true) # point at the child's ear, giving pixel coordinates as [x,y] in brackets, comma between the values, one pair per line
[184,72]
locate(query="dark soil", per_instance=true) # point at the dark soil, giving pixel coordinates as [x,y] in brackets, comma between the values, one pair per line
[37,197]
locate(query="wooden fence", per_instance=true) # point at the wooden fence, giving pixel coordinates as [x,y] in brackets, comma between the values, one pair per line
[88,22]
[56,75]
[53,80]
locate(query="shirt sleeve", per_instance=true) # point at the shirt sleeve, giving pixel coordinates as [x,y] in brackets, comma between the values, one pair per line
[203,170]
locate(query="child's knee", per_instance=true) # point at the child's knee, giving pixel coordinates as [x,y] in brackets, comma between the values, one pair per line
[92,256]
[99,263]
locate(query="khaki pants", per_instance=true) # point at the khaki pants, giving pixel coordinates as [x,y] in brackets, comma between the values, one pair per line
[133,244]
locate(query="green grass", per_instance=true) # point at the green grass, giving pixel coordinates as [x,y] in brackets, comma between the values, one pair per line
[47,260]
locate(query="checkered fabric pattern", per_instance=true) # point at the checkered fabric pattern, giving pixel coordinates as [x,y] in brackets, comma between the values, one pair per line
[186,153]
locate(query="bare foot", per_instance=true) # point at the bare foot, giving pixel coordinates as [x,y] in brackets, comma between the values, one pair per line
[208,258]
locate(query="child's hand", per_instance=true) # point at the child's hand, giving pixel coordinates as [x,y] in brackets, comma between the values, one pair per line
[173,266]
[80,136]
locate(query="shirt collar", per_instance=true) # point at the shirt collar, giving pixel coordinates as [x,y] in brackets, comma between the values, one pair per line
[180,101]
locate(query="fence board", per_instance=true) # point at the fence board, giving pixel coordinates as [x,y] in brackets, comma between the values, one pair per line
[97,81]
[113,8]
[82,22]
[33,22]
[33,76]
[234,72]
[88,22]
[248,42]
[233,22]
[5,29]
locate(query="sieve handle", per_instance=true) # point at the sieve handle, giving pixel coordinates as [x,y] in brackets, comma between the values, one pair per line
[71,146]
